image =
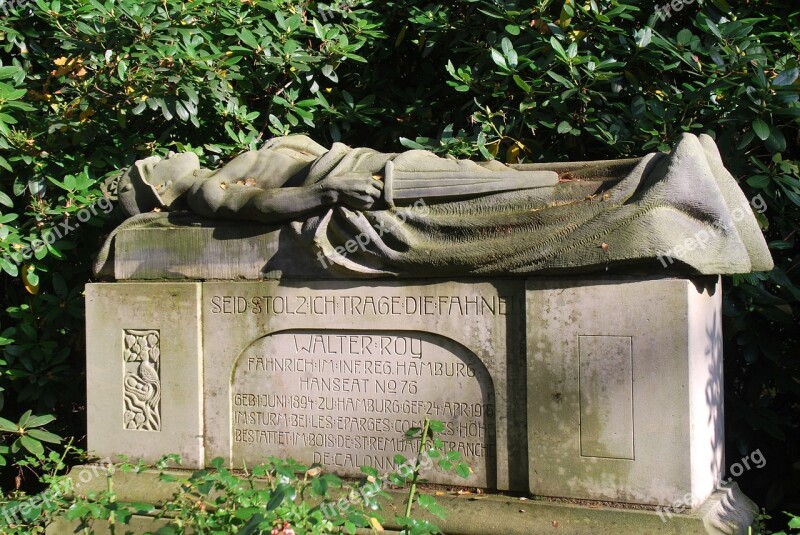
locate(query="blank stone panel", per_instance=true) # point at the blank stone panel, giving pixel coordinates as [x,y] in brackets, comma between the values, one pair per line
[606,396]
[624,389]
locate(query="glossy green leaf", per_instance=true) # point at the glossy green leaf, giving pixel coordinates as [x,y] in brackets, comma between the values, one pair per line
[44,436]
[9,267]
[522,83]
[498,58]
[32,445]
[437,426]
[787,77]
[7,426]
[277,498]
[776,142]
[761,129]
[463,470]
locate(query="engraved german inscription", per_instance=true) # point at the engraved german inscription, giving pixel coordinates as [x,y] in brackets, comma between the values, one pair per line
[345,399]
[359,305]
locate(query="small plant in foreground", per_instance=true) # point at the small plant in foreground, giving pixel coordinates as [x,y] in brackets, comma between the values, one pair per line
[793,525]
[759,526]
[27,434]
[430,452]
[22,513]
[280,497]
[285,497]
[432,448]
[270,496]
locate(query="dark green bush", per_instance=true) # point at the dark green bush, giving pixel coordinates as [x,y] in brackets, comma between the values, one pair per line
[87,87]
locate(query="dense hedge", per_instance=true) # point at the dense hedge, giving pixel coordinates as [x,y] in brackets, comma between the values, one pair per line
[87,87]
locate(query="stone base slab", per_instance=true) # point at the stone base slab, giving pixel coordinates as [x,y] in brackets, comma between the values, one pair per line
[726,512]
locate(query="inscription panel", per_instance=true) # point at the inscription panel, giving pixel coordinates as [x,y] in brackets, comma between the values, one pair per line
[344,399]
[422,334]
[364,305]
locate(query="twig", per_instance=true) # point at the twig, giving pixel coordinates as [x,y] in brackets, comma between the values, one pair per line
[412,491]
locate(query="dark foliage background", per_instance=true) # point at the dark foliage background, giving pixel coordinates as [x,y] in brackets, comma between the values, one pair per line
[87,87]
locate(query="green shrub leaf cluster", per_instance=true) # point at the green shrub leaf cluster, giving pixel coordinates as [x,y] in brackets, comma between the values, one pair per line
[89,86]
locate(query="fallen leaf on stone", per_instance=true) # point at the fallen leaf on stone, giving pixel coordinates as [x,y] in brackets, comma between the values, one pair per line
[314,472]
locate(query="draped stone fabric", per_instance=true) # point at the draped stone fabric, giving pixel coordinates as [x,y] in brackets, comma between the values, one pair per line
[680,209]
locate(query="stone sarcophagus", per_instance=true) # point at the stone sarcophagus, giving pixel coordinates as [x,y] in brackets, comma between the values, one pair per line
[543,327]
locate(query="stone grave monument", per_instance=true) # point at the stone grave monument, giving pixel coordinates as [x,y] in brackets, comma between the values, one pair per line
[562,320]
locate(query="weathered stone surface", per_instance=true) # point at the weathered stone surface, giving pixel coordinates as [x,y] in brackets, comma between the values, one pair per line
[728,511]
[625,389]
[223,252]
[459,218]
[606,376]
[336,373]
[345,398]
[144,370]
[604,389]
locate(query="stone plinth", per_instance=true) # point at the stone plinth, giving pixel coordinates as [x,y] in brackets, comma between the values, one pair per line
[601,389]
[221,252]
